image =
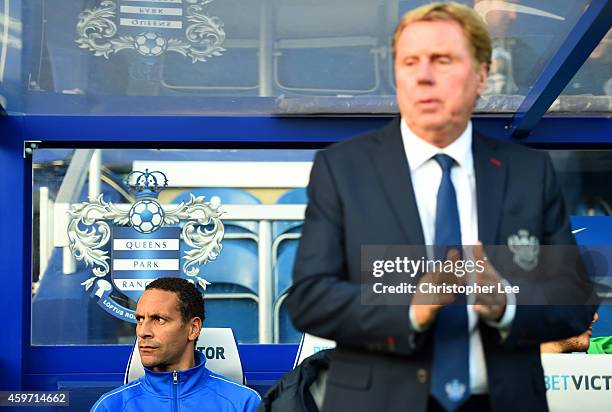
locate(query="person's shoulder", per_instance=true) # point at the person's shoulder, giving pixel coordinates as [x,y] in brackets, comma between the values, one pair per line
[115,399]
[362,143]
[242,397]
[513,150]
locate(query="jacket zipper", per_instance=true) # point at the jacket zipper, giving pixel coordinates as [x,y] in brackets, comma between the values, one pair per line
[175,391]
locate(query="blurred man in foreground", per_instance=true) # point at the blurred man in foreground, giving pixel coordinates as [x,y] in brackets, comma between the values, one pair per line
[169,318]
[428,178]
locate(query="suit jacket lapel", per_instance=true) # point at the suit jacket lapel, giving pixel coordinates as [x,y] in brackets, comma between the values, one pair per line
[490,168]
[390,162]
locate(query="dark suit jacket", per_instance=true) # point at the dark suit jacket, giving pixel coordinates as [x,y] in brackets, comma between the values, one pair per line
[360,193]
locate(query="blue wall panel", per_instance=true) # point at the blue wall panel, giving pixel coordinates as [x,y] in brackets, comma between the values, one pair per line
[13,296]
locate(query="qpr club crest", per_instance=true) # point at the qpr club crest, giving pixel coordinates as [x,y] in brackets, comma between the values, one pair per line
[525,249]
[151,28]
[455,390]
[129,246]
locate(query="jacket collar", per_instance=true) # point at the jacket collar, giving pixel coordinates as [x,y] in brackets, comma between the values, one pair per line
[187,381]
[490,169]
[389,159]
[419,151]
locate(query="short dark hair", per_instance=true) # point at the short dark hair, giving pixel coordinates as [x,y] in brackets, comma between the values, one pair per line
[190,300]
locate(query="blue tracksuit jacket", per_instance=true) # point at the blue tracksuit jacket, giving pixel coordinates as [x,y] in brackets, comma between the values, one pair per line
[196,389]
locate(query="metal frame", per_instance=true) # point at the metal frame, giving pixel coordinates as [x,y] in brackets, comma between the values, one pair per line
[277,242]
[277,306]
[278,301]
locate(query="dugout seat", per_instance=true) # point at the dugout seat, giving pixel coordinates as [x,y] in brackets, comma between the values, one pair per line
[217,344]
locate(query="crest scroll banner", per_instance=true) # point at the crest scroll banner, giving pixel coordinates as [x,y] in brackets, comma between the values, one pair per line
[151,28]
[128,246]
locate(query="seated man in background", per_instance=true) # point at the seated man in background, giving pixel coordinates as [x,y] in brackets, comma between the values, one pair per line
[508,73]
[581,343]
[169,318]
[595,76]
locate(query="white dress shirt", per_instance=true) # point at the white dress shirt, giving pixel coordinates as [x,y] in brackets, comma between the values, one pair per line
[426,175]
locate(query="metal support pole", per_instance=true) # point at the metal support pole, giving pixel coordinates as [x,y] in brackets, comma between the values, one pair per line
[266,297]
[95,172]
[68,261]
[265,50]
[45,230]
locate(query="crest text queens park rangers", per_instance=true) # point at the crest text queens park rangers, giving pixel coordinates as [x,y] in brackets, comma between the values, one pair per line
[127,246]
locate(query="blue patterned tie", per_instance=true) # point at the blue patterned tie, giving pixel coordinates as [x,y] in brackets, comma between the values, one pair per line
[450,375]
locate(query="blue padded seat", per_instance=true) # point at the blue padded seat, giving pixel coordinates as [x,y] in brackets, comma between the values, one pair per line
[227,196]
[291,197]
[284,331]
[286,237]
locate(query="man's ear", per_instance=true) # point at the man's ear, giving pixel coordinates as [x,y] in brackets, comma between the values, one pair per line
[482,71]
[195,327]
